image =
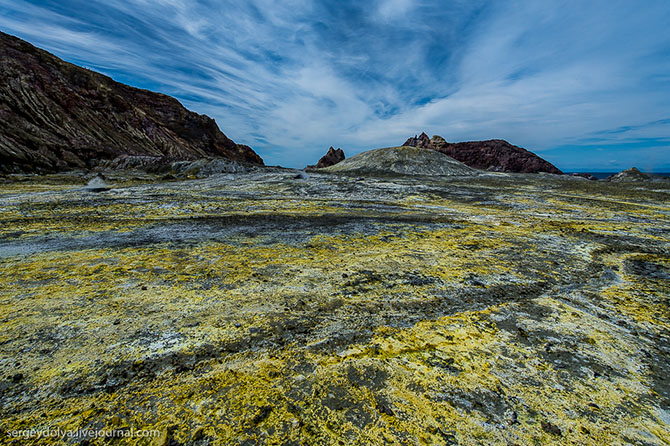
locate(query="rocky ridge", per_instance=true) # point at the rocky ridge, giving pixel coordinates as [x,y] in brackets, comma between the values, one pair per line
[494,155]
[58,116]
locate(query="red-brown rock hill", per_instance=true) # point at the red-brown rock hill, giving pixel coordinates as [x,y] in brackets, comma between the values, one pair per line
[57,116]
[494,154]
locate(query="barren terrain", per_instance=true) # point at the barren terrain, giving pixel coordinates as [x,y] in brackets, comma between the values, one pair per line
[262,309]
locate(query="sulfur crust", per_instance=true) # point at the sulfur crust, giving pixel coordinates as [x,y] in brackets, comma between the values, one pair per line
[430,319]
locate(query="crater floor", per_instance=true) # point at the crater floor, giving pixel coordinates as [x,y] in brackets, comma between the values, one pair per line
[262,309]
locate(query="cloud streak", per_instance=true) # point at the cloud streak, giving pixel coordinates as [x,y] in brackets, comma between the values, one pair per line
[292,78]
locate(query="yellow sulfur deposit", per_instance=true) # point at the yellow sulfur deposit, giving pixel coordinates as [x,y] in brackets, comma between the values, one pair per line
[259,309]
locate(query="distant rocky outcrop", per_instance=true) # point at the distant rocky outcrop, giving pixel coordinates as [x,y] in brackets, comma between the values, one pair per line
[632,174]
[585,175]
[58,116]
[404,160]
[205,167]
[422,140]
[332,157]
[493,155]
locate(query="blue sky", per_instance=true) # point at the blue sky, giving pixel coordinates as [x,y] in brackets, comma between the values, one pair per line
[585,84]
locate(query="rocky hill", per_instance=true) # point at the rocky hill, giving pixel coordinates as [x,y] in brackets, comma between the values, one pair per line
[494,154]
[401,160]
[58,116]
[632,174]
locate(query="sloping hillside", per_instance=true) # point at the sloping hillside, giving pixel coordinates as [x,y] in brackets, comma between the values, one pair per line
[401,160]
[57,116]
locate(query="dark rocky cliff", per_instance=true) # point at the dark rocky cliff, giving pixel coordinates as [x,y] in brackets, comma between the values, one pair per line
[494,154]
[58,116]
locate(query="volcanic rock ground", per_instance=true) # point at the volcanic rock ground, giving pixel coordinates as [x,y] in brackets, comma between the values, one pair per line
[260,309]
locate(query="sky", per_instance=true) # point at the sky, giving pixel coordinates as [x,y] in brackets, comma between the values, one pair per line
[584,84]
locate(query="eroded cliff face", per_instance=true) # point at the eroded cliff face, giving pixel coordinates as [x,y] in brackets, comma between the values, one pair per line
[495,154]
[58,116]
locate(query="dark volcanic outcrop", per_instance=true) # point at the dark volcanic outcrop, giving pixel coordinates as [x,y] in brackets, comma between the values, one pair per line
[332,157]
[57,116]
[422,141]
[495,154]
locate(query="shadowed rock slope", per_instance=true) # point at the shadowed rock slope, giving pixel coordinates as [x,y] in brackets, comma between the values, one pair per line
[58,116]
[494,154]
[403,160]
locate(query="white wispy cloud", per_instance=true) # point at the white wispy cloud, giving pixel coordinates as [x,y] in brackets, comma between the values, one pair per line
[292,78]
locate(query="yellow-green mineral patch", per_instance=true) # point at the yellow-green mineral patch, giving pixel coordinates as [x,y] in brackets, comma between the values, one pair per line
[262,309]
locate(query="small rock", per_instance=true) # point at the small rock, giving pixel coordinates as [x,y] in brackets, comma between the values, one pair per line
[383,408]
[551,428]
[97,184]
[514,418]
[262,414]
[301,175]
[198,434]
